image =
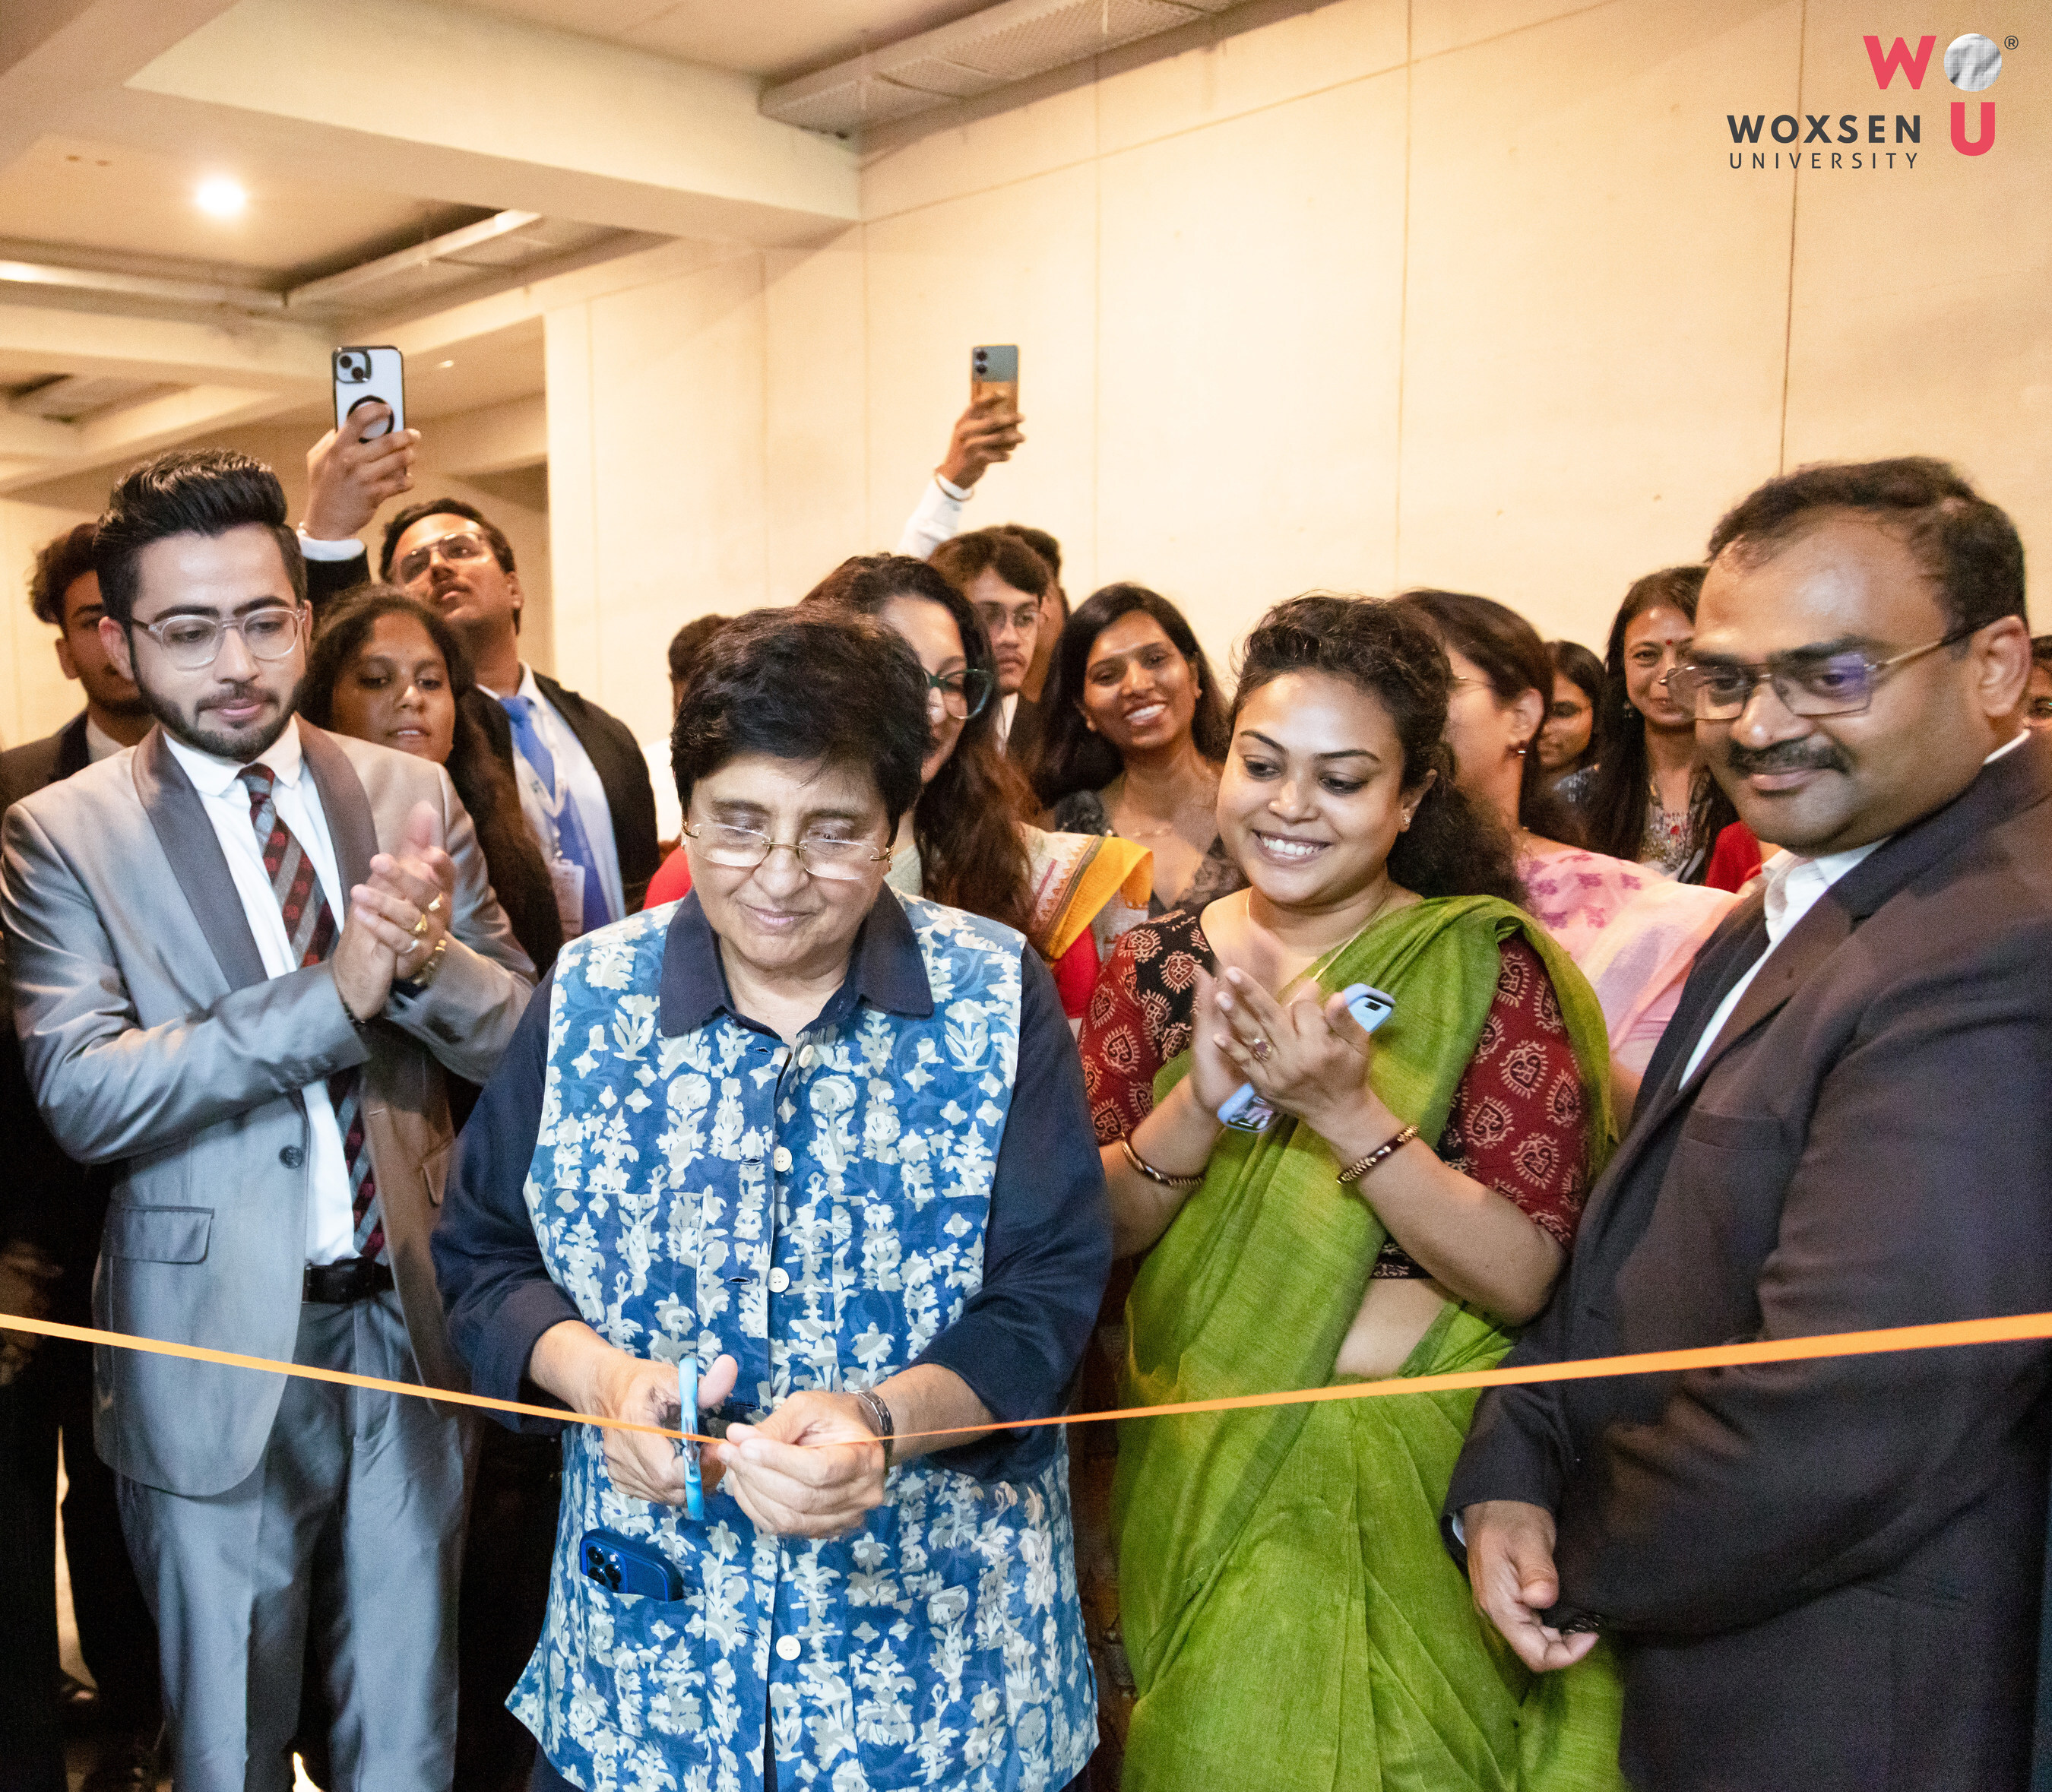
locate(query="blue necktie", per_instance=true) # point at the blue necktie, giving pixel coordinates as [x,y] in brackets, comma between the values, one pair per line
[570,840]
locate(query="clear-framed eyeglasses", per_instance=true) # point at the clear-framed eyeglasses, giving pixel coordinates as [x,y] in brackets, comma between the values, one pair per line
[833,857]
[963,694]
[1806,684]
[193,643]
[456,547]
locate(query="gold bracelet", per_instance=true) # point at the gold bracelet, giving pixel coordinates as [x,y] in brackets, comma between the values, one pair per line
[1153,1175]
[1360,1166]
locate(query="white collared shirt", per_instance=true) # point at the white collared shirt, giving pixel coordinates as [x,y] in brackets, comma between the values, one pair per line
[98,744]
[576,778]
[1007,707]
[1794,886]
[331,1225]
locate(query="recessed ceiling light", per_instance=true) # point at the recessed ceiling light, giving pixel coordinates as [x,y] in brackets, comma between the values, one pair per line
[441,366]
[220,197]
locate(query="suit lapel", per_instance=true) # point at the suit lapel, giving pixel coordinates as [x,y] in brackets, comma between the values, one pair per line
[73,754]
[347,809]
[187,836]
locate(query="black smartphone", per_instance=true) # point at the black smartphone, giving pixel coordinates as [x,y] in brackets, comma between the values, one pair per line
[623,1565]
[993,370]
[369,375]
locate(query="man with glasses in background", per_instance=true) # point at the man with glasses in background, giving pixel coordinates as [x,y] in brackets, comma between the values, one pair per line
[242,954]
[583,778]
[1821,1575]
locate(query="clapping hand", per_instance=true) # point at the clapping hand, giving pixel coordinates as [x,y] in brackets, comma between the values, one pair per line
[1308,1057]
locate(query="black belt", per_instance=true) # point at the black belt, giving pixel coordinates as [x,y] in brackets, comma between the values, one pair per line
[349,1279]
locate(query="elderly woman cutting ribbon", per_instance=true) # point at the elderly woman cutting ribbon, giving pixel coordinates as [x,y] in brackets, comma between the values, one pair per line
[832,1143]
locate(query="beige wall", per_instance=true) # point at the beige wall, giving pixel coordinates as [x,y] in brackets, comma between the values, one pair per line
[35,697]
[1364,296]
[1358,295]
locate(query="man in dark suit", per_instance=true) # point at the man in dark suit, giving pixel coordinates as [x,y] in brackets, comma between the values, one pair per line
[50,1215]
[1821,1576]
[582,778]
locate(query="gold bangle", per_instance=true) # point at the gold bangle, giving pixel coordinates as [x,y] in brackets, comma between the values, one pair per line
[1360,1166]
[1153,1175]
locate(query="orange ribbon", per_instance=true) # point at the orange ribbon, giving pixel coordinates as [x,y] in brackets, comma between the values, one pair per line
[1946,1335]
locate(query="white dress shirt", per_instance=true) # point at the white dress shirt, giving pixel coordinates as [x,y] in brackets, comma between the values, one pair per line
[577,780]
[936,517]
[1794,886]
[331,1225]
[669,813]
[98,744]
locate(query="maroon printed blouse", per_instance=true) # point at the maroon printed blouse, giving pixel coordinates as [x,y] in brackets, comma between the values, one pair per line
[1518,1124]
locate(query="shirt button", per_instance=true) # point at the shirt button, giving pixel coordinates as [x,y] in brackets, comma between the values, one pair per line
[291,1157]
[787,1649]
[782,1159]
[778,1281]
[804,1057]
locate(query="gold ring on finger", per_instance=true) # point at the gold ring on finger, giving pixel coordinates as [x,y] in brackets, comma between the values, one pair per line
[436,905]
[1261,1048]
[421,925]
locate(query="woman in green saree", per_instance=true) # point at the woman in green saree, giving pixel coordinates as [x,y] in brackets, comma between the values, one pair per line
[1290,1612]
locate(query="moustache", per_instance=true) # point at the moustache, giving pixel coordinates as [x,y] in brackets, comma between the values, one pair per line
[1813,755]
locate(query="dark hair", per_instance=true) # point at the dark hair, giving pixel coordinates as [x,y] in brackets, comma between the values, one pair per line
[810,684]
[689,642]
[1069,756]
[207,491]
[1507,651]
[1581,667]
[1614,811]
[2041,650]
[966,559]
[1040,541]
[1454,846]
[966,823]
[502,550]
[60,563]
[1966,546]
[483,781]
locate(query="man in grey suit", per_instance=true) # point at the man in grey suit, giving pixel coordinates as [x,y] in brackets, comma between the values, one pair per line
[242,952]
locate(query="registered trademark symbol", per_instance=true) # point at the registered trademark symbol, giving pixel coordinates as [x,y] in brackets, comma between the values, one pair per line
[2009,43]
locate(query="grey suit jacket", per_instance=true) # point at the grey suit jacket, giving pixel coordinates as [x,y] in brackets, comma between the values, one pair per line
[154,1041]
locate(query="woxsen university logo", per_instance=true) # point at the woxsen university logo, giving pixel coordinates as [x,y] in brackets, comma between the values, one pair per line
[1888,141]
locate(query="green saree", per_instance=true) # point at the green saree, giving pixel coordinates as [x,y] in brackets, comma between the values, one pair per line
[1291,1614]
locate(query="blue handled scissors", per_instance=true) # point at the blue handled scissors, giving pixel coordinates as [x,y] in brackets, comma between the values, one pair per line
[687,1420]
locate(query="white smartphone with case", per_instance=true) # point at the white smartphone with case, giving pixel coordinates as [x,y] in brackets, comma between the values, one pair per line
[369,375]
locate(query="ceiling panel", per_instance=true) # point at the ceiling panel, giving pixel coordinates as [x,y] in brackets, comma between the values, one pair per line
[72,192]
[775,39]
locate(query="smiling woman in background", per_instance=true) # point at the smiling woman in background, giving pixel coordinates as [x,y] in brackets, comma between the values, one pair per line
[386,669]
[1132,737]
[966,841]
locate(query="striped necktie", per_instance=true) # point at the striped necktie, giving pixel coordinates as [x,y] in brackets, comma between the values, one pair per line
[310,927]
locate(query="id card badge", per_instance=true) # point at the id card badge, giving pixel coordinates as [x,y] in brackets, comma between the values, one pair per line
[687,1420]
[567,880]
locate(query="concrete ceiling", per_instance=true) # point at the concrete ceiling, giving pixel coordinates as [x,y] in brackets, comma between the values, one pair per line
[772,39]
[617,122]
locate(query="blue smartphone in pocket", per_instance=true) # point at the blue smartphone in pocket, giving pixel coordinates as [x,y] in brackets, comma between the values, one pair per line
[1245,1112]
[627,1565]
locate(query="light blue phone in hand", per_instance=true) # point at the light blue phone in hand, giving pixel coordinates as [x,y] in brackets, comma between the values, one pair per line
[1247,1113]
